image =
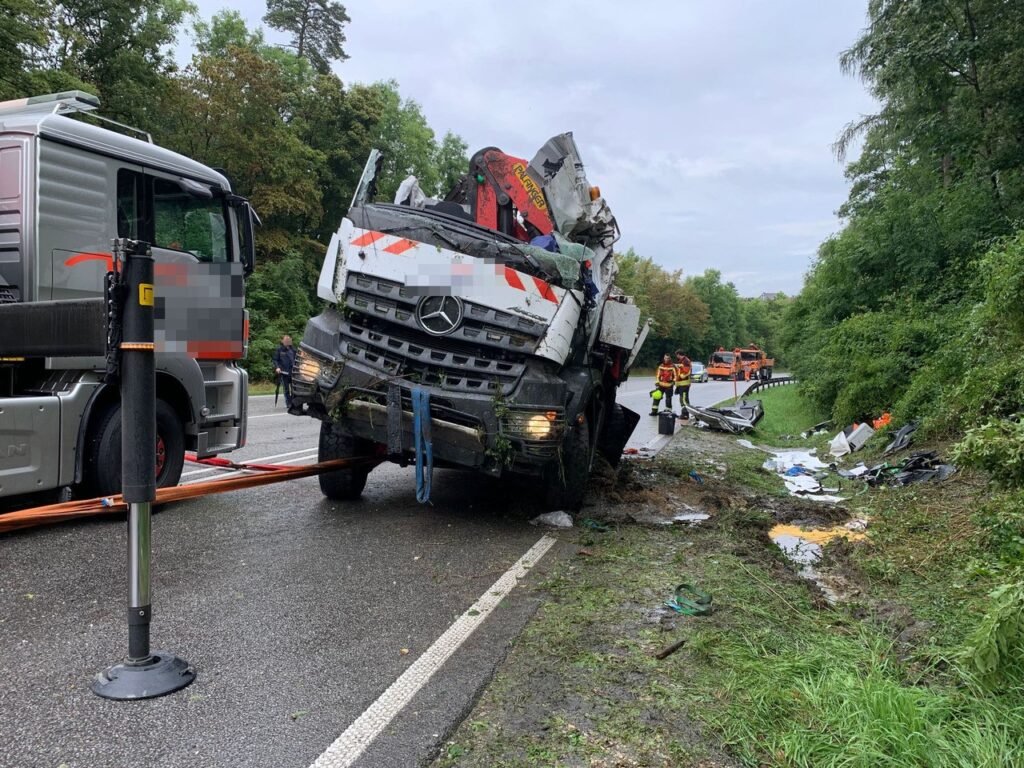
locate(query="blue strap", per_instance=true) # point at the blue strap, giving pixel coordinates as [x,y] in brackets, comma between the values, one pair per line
[422,443]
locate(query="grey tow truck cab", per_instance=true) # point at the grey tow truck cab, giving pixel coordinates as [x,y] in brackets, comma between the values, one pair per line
[69,186]
[521,346]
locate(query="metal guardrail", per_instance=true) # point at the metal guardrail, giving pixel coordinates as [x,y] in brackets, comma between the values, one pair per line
[776,382]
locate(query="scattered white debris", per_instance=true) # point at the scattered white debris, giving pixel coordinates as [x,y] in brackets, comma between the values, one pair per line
[553,520]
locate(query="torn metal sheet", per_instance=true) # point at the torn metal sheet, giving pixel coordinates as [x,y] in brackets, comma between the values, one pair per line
[902,438]
[919,467]
[737,418]
[850,439]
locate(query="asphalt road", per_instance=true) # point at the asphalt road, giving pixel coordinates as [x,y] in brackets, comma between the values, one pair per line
[297,614]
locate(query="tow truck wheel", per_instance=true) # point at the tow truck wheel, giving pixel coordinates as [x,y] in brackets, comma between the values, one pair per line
[102,470]
[568,481]
[342,484]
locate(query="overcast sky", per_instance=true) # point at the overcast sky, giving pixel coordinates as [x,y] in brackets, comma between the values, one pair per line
[707,124]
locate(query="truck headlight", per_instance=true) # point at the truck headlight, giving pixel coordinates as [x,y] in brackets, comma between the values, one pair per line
[538,427]
[307,367]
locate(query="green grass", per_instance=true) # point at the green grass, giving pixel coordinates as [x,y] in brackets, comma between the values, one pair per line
[786,414]
[768,677]
[261,388]
[774,677]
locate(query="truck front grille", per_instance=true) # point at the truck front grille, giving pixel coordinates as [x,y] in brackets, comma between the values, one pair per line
[420,360]
[486,354]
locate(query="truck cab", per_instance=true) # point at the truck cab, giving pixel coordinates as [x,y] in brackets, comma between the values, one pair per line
[70,183]
[725,366]
[520,348]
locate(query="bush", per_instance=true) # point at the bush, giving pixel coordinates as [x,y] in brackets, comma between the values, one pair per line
[996,447]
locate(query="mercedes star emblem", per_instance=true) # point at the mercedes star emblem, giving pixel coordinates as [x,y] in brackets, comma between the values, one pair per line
[440,315]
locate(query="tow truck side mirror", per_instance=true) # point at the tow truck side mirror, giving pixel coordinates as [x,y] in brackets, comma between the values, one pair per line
[246,217]
[249,246]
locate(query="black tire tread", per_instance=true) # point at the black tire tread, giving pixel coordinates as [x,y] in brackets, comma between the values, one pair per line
[341,484]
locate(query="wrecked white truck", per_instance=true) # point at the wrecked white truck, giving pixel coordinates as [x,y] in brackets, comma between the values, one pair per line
[487,323]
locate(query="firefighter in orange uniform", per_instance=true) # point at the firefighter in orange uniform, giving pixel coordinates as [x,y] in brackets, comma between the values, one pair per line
[664,382]
[683,370]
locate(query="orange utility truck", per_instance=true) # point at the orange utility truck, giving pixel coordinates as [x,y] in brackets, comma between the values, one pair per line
[725,366]
[756,363]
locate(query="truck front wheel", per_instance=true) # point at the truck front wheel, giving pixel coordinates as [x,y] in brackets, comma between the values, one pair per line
[102,470]
[342,484]
[566,486]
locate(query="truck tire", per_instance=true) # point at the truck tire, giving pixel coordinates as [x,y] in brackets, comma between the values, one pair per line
[568,480]
[611,442]
[102,469]
[342,484]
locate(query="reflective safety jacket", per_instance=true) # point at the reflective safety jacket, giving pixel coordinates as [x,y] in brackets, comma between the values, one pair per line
[665,376]
[683,374]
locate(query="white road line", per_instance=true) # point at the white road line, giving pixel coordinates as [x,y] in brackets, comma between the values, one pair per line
[347,748]
[268,415]
[261,460]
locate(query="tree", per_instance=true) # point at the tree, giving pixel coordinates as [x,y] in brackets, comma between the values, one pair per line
[680,317]
[939,179]
[407,141]
[451,161]
[120,47]
[227,112]
[317,28]
[227,29]
[22,26]
[726,326]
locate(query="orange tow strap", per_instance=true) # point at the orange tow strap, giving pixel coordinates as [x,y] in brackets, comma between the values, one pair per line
[55,513]
[219,463]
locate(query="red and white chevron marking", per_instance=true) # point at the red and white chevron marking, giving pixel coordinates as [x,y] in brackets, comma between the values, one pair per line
[400,246]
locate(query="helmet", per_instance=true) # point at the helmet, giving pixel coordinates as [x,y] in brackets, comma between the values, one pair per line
[656,394]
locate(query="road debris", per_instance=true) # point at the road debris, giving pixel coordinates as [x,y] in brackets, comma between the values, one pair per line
[553,520]
[818,429]
[902,438]
[737,418]
[664,653]
[690,601]
[801,471]
[850,439]
[919,467]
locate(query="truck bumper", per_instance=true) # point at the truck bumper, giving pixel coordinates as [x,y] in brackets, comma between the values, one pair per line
[492,432]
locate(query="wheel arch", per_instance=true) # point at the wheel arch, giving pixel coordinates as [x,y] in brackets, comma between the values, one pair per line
[168,389]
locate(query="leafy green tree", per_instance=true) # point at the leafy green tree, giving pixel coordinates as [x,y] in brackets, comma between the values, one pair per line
[452,162]
[726,326]
[227,29]
[317,28]
[895,295]
[342,125]
[407,141]
[226,112]
[121,48]
[680,317]
[22,27]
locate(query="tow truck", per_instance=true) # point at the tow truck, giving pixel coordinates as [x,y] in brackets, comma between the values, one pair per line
[72,182]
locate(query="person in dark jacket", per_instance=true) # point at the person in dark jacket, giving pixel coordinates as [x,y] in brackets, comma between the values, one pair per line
[284,360]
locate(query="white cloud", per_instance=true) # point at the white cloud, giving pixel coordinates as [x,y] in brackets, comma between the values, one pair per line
[708,125]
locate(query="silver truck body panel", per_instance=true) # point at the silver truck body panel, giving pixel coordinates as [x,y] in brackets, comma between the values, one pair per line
[28,428]
[58,215]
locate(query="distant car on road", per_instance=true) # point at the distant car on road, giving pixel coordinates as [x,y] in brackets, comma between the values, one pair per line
[698,373]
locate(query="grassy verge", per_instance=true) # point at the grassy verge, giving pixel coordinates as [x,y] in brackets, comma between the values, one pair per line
[775,676]
[261,387]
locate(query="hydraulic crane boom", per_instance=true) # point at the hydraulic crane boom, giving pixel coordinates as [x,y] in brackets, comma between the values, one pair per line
[499,185]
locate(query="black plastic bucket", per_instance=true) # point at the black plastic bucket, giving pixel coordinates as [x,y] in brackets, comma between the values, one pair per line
[666,423]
